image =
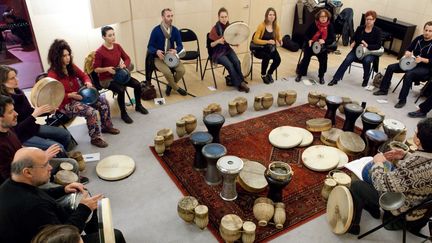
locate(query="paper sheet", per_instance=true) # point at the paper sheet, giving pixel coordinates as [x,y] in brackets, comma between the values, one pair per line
[91,157]
[356,166]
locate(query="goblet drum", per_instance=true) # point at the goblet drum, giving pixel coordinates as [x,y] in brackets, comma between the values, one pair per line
[332,102]
[198,140]
[214,123]
[352,112]
[212,152]
[370,121]
[229,166]
[374,139]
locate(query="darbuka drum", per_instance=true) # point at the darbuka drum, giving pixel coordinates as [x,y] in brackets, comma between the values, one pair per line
[320,158]
[190,123]
[370,121]
[168,136]
[374,139]
[236,33]
[212,152]
[285,137]
[393,128]
[332,102]
[115,167]
[318,124]
[317,48]
[362,51]
[198,140]
[276,187]
[65,177]
[172,60]
[263,210]
[90,95]
[229,166]
[352,112]
[251,177]
[214,123]
[106,228]
[340,210]
[246,65]
[230,227]
[351,143]
[367,170]
[47,91]
[313,98]
[331,136]
[121,76]
[186,207]
[407,63]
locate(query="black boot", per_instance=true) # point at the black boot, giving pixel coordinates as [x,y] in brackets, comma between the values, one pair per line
[298,78]
[270,78]
[265,79]
[140,108]
[126,118]
[168,90]
[321,80]
[333,82]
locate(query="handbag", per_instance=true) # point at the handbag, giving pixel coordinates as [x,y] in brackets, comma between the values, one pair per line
[148,91]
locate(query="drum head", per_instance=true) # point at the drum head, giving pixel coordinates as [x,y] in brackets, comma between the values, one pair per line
[320,158]
[106,228]
[47,91]
[201,138]
[285,137]
[122,76]
[318,124]
[115,167]
[351,143]
[90,95]
[229,164]
[407,63]
[251,177]
[359,52]
[213,150]
[214,119]
[393,127]
[231,222]
[65,177]
[316,47]
[246,65]
[307,136]
[331,136]
[340,210]
[171,60]
[343,158]
[236,33]
[372,117]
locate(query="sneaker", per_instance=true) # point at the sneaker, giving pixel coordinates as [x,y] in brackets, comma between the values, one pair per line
[265,79]
[416,114]
[333,82]
[84,180]
[182,92]
[110,130]
[400,104]
[270,78]
[168,90]
[298,78]
[141,109]
[365,83]
[380,92]
[321,80]
[99,142]
[243,87]
[126,118]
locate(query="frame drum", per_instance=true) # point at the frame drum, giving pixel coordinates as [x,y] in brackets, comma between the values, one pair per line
[285,137]
[351,143]
[320,158]
[246,64]
[251,177]
[318,124]
[236,33]
[331,136]
[340,210]
[171,60]
[407,63]
[115,167]
[47,91]
[106,229]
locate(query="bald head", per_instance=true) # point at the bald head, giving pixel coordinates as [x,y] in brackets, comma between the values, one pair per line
[25,158]
[31,166]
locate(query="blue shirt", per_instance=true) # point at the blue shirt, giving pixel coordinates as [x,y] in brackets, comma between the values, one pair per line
[157,40]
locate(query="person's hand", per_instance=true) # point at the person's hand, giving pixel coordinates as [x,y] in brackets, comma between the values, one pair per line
[221,40]
[271,42]
[75,187]
[280,43]
[75,96]
[91,202]
[110,70]
[173,51]
[379,158]
[42,110]
[353,44]
[52,151]
[310,43]
[122,65]
[160,54]
[418,59]
[321,41]
[394,154]
[408,54]
[364,43]
[89,85]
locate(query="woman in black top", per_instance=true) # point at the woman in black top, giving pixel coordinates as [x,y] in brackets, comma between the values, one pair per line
[321,31]
[368,36]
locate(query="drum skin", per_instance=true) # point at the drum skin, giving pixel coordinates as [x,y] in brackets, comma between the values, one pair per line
[47,91]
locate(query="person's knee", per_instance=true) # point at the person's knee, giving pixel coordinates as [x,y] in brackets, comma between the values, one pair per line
[119,238]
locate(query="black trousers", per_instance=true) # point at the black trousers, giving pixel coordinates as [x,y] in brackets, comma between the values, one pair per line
[120,89]
[266,56]
[304,63]
[426,106]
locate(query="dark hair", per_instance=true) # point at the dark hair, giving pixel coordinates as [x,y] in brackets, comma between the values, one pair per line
[429,23]
[221,10]
[58,234]
[165,10]
[105,29]
[317,15]
[4,100]
[4,76]
[55,56]
[424,133]
[266,16]
[371,13]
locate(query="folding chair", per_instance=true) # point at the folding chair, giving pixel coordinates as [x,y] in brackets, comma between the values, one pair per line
[188,35]
[254,53]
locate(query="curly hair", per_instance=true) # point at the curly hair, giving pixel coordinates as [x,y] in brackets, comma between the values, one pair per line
[55,56]
[58,233]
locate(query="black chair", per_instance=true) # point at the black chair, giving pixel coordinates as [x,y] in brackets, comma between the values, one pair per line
[95,81]
[209,60]
[425,80]
[253,53]
[188,35]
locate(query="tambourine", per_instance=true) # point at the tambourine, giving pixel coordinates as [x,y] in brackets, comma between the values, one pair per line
[236,33]
[362,51]
[407,63]
[172,60]
[89,95]
[317,48]
[122,76]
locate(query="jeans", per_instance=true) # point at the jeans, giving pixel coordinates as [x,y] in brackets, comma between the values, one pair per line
[231,62]
[350,58]
[49,135]
[304,64]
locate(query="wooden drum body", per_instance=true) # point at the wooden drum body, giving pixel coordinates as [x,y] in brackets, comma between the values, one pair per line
[186,207]
[263,210]
[230,227]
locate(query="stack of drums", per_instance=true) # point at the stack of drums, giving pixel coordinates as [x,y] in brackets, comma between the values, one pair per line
[212,152]
[198,140]
[370,121]
[352,112]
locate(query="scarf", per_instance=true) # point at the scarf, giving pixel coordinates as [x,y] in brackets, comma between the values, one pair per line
[322,30]
[219,50]
[167,33]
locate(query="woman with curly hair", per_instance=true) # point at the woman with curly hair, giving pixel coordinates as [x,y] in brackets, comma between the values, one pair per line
[58,234]
[64,70]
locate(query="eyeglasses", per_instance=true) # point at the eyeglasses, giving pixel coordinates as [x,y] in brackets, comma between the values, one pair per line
[323,16]
[370,19]
[40,166]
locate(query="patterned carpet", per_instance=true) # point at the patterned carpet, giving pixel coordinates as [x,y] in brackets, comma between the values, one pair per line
[249,139]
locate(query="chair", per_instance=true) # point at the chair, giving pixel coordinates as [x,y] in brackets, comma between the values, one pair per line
[253,52]
[426,204]
[95,81]
[188,35]
[209,59]
[416,82]
[330,48]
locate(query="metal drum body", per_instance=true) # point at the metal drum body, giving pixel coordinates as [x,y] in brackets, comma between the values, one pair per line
[90,95]
[212,152]
[171,60]
[198,140]
[317,48]
[214,123]
[407,63]
[229,166]
[362,51]
[47,91]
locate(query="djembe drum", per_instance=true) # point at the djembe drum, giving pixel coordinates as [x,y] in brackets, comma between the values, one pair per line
[352,112]
[278,176]
[212,152]
[370,121]
[198,140]
[229,166]
[214,123]
[374,139]
[332,102]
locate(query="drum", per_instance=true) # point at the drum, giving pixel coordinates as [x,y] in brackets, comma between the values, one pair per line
[285,137]
[370,121]
[66,166]
[320,158]
[248,235]
[279,216]
[190,123]
[340,210]
[230,227]
[115,167]
[407,63]
[374,139]
[214,123]
[246,65]
[122,76]
[280,171]
[212,108]
[198,140]
[391,200]
[343,158]
[318,124]
[362,51]
[236,33]
[317,48]
[241,104]
[168,136]
[186,208]
[352,112]
[77,155]
[276,187]
[212,152]
[90,95]
[330,137]
[393,128]
[291,97]
[201,216]
[345,100]
[307,137]
[351,143]
[313,98]
[393,145]
[47,91]
[341,178]
[328,186]
[367,170]
[159,145]
[65,177]
[251,177]
[322,101]
[172,60]
[106,228]
[332,102]
[229,166]
[263,210]
[180,128]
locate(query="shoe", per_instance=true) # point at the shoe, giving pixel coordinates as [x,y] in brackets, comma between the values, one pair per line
[141,109]
[270,78]
[333,82]
[354,229]
[126,118]
[243,87]
[99,142]
[375,213]
[321,80]
[400,104]
[182,92]
[416,114]
[168,90]
[84,180]
[365,83]
[380,92]
[298,78]
[265,79]
[110,130]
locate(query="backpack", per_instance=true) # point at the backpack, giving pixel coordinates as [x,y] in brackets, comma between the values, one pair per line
[289,44]
[148,91]
[377,80]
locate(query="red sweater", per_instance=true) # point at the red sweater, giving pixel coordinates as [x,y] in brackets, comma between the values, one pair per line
[70,83]
[110,58]
[9,144]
